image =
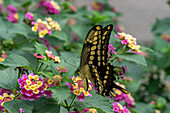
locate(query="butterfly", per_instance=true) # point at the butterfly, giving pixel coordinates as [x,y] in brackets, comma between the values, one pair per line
[94,64]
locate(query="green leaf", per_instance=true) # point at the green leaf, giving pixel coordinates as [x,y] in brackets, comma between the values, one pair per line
[26,4]
[146,49]
[15,60]
[61,35]
[46,105]
[61,93]
[43,105]
[139,59]
[47,74]
[40,48]
[14,105]
[133,86]
[52,65]
[143,108]
[96,101]
[8,78]
[67,79]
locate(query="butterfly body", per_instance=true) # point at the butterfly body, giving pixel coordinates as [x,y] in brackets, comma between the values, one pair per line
[93,63]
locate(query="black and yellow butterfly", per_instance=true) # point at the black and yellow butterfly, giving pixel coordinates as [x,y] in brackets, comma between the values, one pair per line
[93,63]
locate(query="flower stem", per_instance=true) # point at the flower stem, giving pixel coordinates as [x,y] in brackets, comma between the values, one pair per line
[40,66]
[68,108]
[15,90]
[45,68]
[72,101]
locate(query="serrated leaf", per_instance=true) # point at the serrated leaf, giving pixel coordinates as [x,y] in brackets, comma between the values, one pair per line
[96,101]
[15,60]
[40,48]
[61,35]
[8,78]
[61,93]
[139,59]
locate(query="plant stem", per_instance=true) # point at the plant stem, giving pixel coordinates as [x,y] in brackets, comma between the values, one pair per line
[45,68]
[68,108]
[72,101]
[16,83]
[40,66]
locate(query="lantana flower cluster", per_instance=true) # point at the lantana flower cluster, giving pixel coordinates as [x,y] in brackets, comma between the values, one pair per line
[12,15]
[130,41]
[52,7]
[5,95]
[45,27]
[55,81]
[29,16]
[120,96]
[118,108]
[32,87]
[77,88]
[3,56]
[97,6]
[53,57]
[62,69]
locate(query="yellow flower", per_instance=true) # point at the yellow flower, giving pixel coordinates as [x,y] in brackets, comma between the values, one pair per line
[5,95]
[27,87]
[120,106]
[40,83]
[32,87]
[41,34]
[86,93]
[36,86]
[74,79]
[45,31]
[57,59]
[82,90]
[93,110]
[75,85]
[2,103]
[34,28]
[1,97]
[16,16]
[11,96]
[36,24]
[45,87]
[76,92]
[36,91]
[30,77]
[39,21]
[1,59]
[28,82]
[50,81]
[49,19]
[48,52]
[36,77]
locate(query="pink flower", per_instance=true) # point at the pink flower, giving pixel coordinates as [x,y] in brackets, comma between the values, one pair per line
[124,41]
[29,16]
[111,49]
[45,42]
[52,7]
[21,110]
[81,97]
[12,9]
[12,17]
[118,108]
[38,55]
[97,6]
[73,8]
[62,69]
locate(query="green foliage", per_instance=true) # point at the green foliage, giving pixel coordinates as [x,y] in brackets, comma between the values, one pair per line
[8,78]
[139,59]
